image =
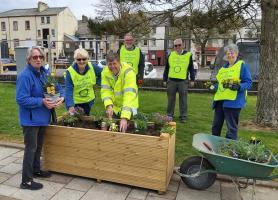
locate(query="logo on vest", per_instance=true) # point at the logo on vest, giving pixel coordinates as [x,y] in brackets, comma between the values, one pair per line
[177,69]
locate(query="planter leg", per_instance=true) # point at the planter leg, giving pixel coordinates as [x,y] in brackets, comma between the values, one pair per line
[99,180]
[161,192]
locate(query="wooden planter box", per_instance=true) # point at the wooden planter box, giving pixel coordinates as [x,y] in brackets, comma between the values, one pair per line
[138,160]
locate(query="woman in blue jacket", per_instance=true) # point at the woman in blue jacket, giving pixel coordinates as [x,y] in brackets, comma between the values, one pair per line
[34,115]
[233,81]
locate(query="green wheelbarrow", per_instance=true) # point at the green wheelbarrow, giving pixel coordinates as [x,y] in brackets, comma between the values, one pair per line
[199,172]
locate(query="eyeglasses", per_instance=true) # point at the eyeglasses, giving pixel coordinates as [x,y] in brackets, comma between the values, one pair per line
[177,45]
[83,59]
[37,57]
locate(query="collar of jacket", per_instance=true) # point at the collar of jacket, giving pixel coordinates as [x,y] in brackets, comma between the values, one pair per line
[32,69]
[226,65]
[75,67]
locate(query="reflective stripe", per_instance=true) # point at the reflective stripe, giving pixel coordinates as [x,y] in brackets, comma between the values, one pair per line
[126,71]
[118,93]
[127,108]
[130,90]
[105,87]
[106,98]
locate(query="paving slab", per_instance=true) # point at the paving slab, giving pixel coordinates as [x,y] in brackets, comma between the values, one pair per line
[7,190]
[107,191]
[229,192]
[261,193]
[169,195]
[4,177]
[6,198]
[173,186]
[14,180]
[18,154]
[81,184]
[7,160]
[49,190]
[138,193]
[5,152]
[58,178]
[68,194]
[184,193]
[19,160]
[11,168]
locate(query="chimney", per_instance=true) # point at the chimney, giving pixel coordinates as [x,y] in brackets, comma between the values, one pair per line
[84,18]
[42,6]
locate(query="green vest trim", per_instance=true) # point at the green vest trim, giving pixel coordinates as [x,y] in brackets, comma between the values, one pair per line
[178,65]
[131,57]
[232,72]
[83,90]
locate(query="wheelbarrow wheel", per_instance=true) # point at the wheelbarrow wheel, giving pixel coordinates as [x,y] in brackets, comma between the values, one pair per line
[191,166]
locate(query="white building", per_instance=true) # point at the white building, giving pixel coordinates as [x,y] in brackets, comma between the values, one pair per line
[27,27]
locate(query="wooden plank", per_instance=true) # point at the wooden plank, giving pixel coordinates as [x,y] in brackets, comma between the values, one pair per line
[103,146]
[101,169]
[118,176]
[124,158]
[99,135]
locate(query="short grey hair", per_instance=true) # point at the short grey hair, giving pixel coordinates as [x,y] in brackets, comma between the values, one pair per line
[112,56]
[82,52]
[231,47]
[29,52]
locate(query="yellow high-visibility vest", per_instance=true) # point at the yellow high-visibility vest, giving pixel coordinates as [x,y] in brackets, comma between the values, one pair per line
[120,92]
[232,72]
[131,57]
[178,65]
[83,90]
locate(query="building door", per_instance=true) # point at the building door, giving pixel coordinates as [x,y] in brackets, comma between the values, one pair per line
[4,49]
[45,33]
[158,61]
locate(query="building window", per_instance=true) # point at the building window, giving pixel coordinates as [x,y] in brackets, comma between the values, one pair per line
[16,43]
[15,25]
[48,20]
[91,44]
[3,26]
[39,33]
[27,25]
[153,42]
[67,45]
[83,44]
[53,32]
[153,30]
[42,20]
[145,42]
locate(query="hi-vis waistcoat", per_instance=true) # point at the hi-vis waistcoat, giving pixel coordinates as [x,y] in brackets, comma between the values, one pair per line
[121,92]
[178,65]
[232,72]
[83,91]
[130,57]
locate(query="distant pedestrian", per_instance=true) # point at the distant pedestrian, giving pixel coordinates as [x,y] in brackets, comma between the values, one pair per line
[196,67]
[179,64]
[233,81]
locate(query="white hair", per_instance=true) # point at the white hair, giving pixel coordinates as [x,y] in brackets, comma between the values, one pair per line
[81,52]
[29,52]
[231,47]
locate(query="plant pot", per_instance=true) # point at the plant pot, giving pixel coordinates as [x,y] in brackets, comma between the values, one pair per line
[52,97]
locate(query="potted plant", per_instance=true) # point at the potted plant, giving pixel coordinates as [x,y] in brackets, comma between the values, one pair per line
[50,90]
[70,120]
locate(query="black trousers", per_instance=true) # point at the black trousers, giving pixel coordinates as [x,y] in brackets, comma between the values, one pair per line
[33,140]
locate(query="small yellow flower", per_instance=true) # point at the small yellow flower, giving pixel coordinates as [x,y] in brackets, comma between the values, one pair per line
[253,138]
[52,74]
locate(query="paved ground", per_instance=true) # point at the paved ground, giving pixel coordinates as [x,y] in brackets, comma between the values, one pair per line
[66,187]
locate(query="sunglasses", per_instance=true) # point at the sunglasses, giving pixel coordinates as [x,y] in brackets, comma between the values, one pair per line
[177,45]
[37,57]
[83,59]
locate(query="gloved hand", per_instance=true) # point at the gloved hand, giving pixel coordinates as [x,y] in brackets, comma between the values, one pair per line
[234,87]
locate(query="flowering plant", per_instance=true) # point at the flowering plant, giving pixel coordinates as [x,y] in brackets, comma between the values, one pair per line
[50,90]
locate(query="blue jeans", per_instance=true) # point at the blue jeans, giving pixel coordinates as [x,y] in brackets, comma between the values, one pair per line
[231,115]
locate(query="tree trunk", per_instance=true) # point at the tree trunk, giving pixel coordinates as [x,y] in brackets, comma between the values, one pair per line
[203,47]
[267,103]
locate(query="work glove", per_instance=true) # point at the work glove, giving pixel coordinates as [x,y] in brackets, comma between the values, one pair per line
[234,87]
[139,81]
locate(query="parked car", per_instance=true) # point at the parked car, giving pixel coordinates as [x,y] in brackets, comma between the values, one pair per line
[9,64]
[149,71]
[6,60]
[101,63]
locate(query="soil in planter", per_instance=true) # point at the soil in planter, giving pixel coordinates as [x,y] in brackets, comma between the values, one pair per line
[151,130]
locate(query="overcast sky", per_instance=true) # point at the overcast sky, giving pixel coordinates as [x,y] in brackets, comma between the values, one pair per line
[78,7]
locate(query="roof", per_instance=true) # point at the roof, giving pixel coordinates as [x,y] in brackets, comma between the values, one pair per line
[32,12]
